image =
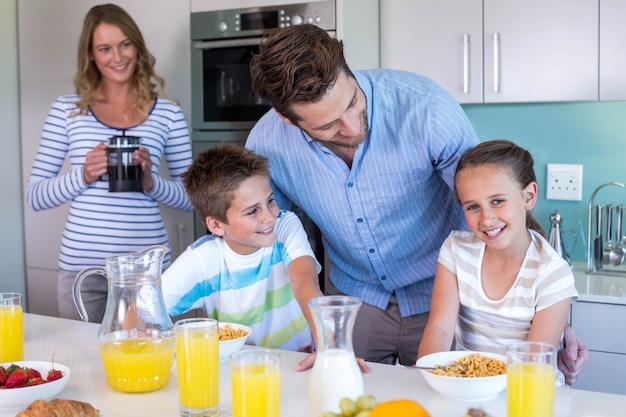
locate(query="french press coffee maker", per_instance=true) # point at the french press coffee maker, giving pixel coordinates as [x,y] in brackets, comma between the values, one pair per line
[124,172]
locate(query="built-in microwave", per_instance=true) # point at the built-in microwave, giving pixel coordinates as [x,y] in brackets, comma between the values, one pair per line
[222,44]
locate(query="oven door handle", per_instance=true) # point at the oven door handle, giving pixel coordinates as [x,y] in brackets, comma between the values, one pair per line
[227,43]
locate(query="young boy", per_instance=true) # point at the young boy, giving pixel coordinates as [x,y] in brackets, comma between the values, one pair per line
[257,267]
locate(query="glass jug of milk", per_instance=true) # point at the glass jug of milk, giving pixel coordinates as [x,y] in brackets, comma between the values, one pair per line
[335,374]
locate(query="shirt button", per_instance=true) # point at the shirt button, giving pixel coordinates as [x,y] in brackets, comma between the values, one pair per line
[350,184]
[372,250]
[384,277]
[359,220]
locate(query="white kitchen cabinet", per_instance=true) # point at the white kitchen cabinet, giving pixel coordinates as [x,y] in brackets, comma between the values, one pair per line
[441,39]
[496,51]
[601,327]
[612,50]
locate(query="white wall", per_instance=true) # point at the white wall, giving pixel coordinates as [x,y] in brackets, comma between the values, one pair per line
[12,274]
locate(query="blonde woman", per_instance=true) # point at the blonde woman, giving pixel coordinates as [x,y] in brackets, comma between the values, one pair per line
[117,93]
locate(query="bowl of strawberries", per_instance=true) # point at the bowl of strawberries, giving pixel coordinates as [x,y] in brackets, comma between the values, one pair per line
[23,382]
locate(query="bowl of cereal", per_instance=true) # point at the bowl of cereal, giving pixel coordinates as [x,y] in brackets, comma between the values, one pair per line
[482,376]
[232,338]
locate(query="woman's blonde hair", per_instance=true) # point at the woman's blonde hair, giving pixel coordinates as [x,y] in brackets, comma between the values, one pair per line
[147,84]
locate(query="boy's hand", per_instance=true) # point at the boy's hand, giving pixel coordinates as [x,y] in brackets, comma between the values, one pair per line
[307,362]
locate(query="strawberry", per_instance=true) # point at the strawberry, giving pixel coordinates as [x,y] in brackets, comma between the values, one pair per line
[37,381]
[12,368]
[33,373]
[54,374]
[3,375]
[16,378]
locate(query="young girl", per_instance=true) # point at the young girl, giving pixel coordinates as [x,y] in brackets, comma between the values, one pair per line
[502,281]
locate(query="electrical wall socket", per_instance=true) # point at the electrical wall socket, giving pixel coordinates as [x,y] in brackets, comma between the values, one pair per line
[564,182]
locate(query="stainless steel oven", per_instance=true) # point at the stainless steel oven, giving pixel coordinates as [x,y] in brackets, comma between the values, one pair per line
[222,43]
[223,106]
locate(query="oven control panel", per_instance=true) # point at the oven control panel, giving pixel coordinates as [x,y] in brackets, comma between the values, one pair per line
[258,21]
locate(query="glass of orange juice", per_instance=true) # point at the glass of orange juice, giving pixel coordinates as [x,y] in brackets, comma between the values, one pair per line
[255,383]
[197,366]
[11,327]
[531,374]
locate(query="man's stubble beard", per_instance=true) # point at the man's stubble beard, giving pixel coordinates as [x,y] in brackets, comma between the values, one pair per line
[352,145]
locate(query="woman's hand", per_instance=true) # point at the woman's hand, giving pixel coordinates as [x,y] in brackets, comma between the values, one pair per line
[142,157]
[96,162]
[308,362]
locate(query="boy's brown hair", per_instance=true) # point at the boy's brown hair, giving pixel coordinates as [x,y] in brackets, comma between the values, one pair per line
[215,175]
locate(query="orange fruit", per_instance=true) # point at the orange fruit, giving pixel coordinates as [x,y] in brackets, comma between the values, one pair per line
[399,408]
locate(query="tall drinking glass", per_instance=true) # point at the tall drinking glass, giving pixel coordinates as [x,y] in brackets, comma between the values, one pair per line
[197,365]
[531,373]
[11,327]
[255,379]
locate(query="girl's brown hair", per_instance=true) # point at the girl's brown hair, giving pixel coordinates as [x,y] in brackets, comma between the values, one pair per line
[507,154]
[146,82]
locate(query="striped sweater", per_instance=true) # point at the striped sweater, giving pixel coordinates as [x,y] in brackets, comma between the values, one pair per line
[100,223]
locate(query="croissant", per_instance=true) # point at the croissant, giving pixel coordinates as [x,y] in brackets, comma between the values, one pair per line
[59,408]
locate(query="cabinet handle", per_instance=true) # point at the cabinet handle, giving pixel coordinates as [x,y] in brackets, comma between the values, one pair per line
[496,62]
[466,63]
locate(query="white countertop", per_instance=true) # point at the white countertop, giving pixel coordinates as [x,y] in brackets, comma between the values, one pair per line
[75,344]
[607,286]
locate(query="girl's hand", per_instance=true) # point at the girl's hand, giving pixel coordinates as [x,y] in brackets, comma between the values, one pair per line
[142,156]
[96,162]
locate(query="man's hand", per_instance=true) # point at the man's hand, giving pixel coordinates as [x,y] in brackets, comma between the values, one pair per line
[308,362]
[573,357]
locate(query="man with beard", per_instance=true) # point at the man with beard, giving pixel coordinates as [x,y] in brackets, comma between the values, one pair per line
[370,157]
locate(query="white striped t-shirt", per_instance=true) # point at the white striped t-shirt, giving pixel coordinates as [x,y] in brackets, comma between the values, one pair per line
[490,325]
[247,289]
[100,223]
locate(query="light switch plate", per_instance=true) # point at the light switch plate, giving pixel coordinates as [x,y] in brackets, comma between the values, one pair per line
[564,182]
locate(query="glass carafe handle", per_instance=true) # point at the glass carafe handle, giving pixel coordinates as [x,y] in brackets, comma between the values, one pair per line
[78,299]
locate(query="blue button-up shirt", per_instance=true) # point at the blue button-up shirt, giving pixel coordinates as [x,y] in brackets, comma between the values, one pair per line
[384,219]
